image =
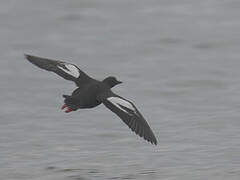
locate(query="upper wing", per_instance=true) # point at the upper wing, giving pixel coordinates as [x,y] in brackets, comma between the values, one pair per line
[66,70]
[130,115]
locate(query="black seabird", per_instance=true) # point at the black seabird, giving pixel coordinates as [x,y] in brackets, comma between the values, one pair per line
[90,93]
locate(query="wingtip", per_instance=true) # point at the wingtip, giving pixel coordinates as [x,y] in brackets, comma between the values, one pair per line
[155,140]
[32,59]
[27,56]
[154,143]
[152,139]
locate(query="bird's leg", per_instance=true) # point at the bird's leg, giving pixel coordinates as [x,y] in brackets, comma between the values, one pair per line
[68,108]
[64,106]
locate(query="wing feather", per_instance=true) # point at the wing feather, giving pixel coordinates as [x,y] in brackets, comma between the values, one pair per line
[130,115]
[66,70]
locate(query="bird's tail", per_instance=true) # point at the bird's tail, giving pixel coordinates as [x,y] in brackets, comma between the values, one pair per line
[70,102]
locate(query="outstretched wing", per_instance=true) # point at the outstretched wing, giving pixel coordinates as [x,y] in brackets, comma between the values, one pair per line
[130,115]
[66,70]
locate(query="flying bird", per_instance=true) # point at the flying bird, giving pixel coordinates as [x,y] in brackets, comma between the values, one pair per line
[91,93]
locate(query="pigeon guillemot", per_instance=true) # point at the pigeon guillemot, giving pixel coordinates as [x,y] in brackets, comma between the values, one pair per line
[90,93]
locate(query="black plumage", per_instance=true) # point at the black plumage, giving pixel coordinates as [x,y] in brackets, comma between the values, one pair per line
[91,92]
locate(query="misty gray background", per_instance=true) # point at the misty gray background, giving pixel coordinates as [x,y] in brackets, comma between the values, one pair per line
[180,64]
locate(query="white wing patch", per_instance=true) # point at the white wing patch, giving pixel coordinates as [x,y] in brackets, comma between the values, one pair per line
[70,69]
[119,101]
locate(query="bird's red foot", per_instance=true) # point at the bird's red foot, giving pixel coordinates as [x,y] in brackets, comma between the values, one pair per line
[68,108]
[64,106]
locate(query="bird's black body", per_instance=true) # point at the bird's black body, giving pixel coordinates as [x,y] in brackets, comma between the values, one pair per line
[87,96]
[84,97]
[91,93]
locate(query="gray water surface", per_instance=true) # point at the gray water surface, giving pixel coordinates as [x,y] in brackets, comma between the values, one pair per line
[179,61]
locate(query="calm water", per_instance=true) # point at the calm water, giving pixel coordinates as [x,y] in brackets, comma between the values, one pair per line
[180,64]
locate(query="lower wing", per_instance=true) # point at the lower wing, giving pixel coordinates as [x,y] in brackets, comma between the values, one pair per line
[130,115]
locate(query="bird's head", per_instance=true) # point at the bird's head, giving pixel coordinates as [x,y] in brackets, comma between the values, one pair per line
[111,81]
